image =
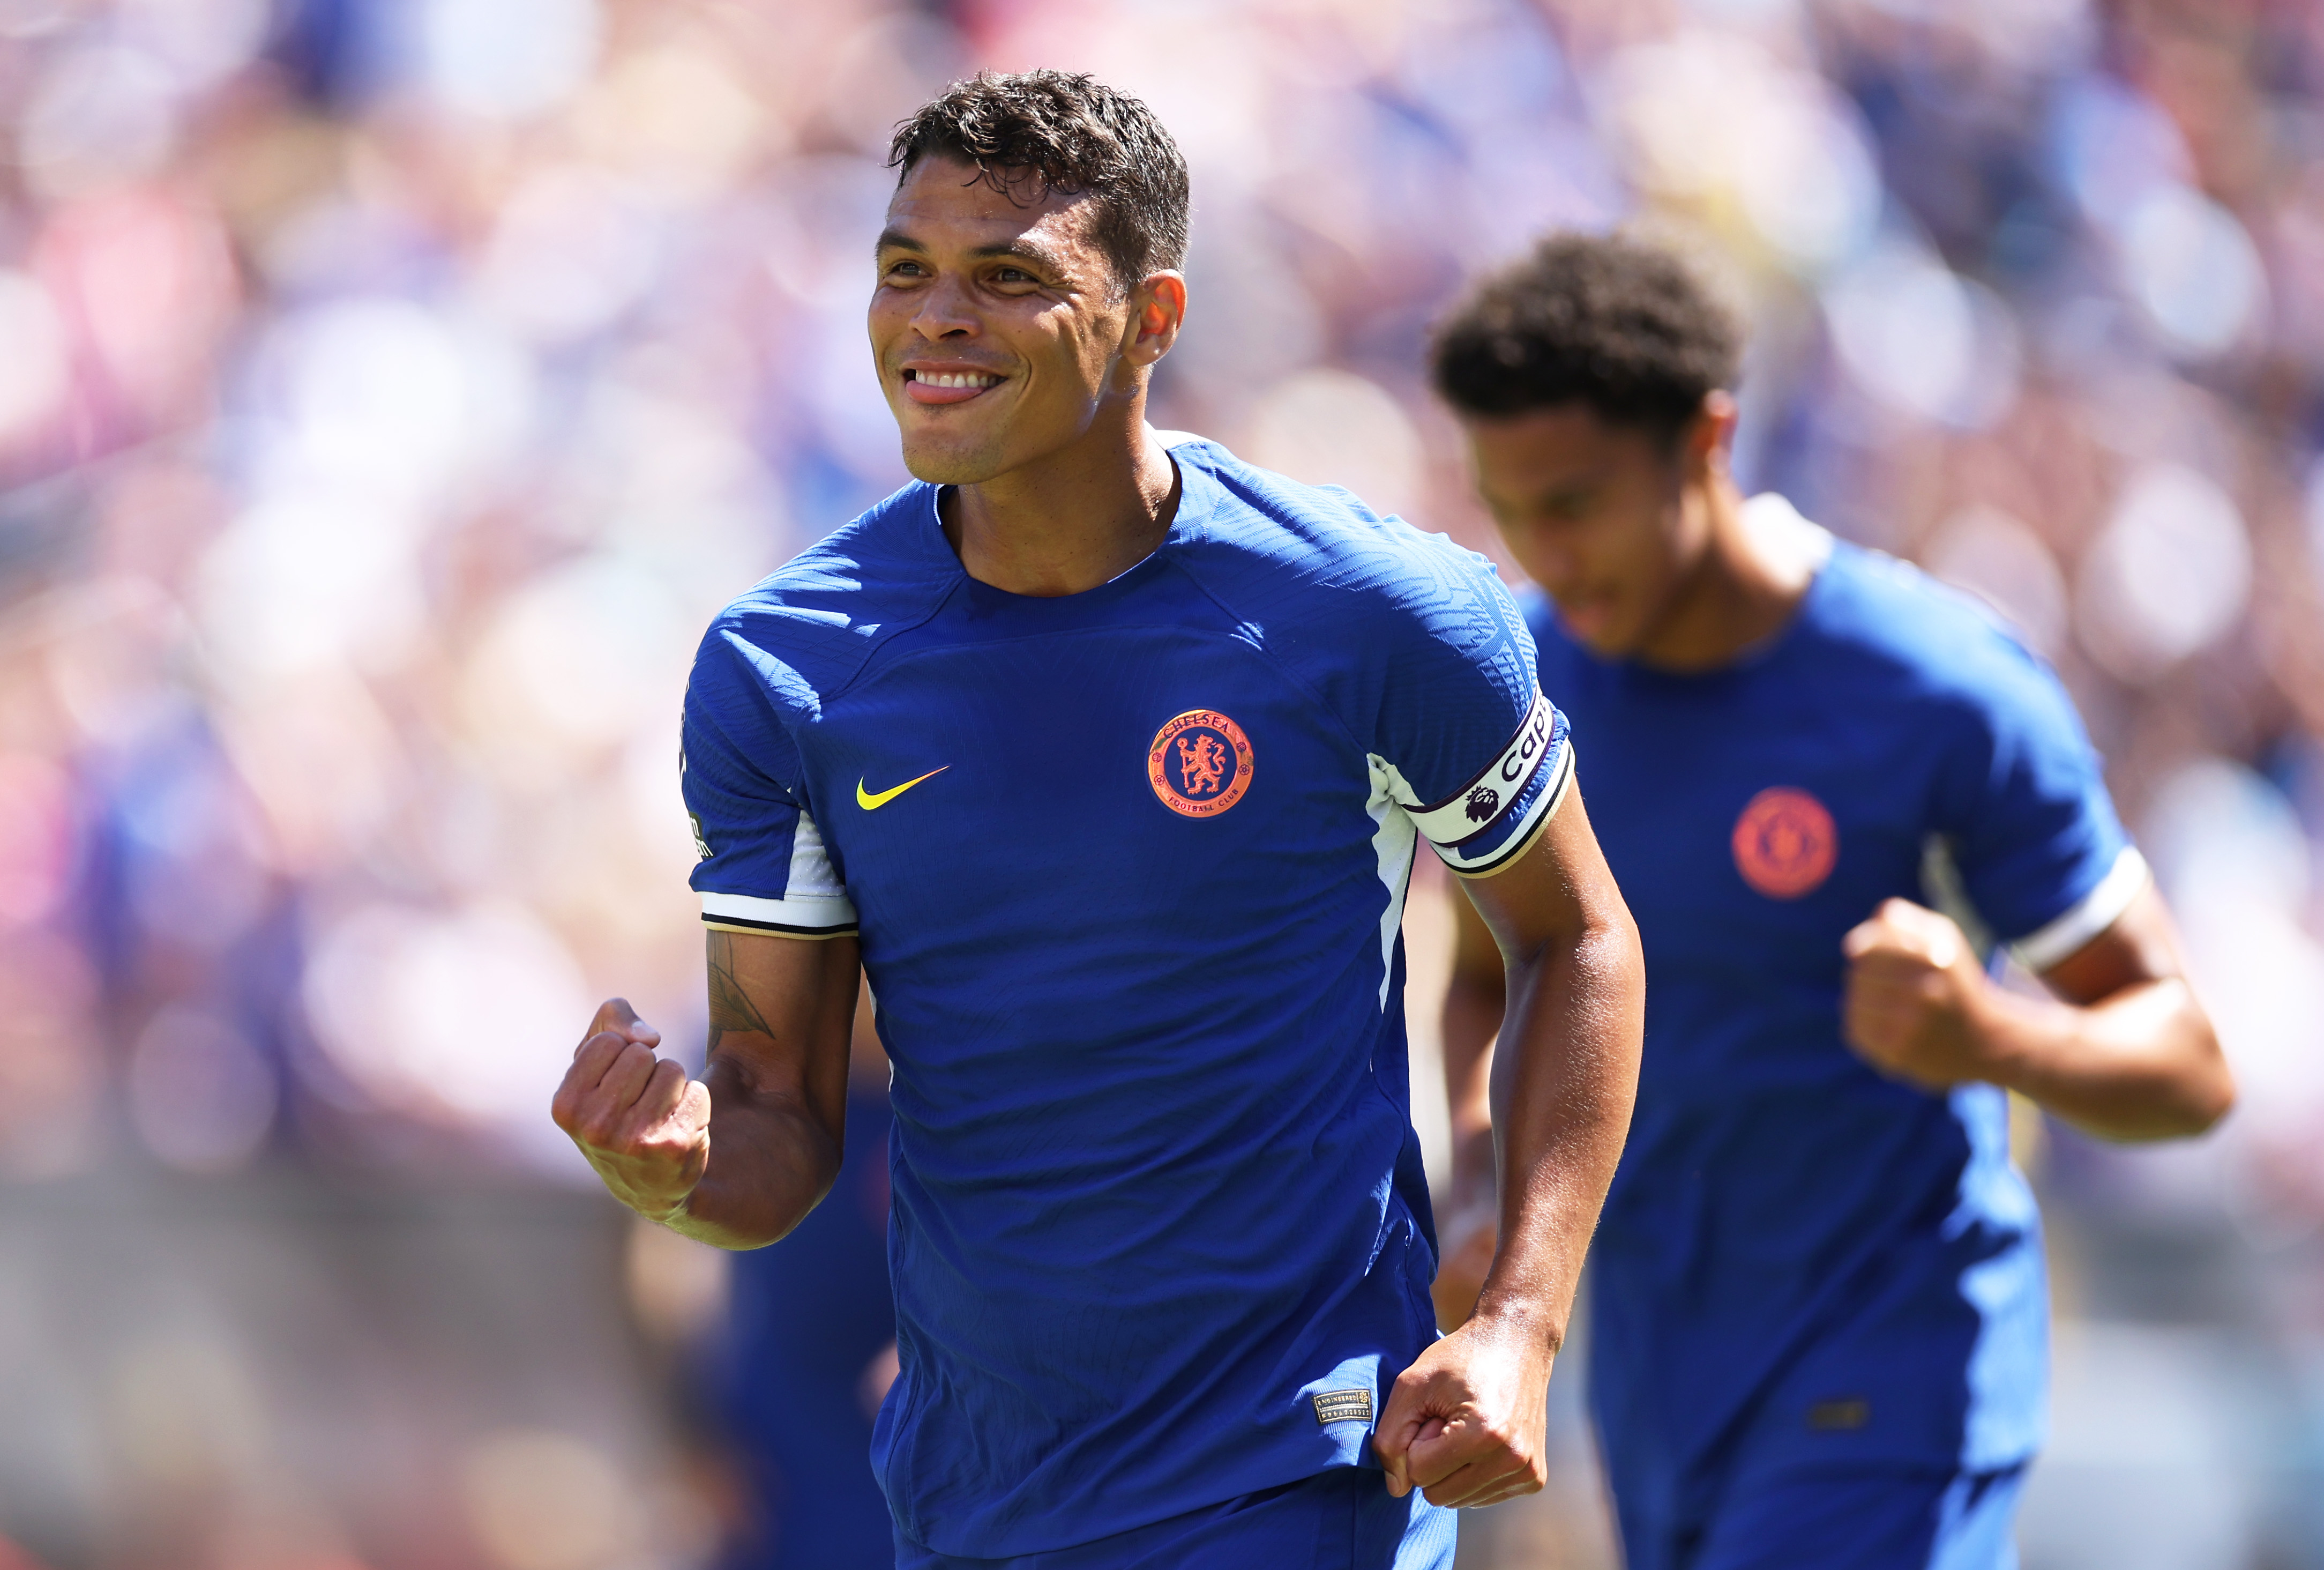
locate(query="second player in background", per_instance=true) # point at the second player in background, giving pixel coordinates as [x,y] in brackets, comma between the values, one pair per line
[1826,786]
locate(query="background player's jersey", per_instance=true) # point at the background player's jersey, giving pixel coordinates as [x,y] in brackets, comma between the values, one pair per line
[1129,867]
[1799,1260]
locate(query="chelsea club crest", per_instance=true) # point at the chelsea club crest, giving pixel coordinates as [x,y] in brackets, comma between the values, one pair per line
[1200,763]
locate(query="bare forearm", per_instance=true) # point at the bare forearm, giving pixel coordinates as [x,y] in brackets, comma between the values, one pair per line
[1565,1076]
[1472,1013]
[762,1180]
[2141,1065]
[778,1087]
[771,1161]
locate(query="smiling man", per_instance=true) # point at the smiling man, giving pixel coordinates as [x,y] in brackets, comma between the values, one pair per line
[1828,785]
[1110,754]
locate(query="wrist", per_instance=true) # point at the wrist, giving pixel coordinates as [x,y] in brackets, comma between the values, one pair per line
[664,1211]
[1989,1017]
[1520,1316]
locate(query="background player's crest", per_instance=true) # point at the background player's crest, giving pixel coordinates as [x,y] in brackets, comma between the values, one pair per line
[1200,763]
[1785,843]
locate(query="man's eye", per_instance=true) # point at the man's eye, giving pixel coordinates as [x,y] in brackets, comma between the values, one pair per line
[1015,275]
[903,270]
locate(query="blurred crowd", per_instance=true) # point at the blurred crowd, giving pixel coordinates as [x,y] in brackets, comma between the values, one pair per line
[391,390]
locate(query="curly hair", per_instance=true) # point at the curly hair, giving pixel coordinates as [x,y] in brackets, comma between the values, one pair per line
[1621,326]
[1033,133]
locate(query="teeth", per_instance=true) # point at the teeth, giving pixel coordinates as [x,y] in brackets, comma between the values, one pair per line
[956,379]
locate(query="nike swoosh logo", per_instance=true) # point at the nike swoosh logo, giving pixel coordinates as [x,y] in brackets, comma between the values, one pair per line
[869,802]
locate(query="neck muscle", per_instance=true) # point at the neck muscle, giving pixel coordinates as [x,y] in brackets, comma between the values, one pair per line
[1743,588]
[1072,519]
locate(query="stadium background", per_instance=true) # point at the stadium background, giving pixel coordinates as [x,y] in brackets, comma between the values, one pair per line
[390,390]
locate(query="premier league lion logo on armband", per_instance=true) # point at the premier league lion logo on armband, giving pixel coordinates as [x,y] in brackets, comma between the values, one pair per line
[1200,763]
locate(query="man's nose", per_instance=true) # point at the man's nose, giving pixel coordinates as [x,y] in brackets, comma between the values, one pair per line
[1554,567]
[944,311]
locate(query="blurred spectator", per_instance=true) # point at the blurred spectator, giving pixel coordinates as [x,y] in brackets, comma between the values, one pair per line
[392,389]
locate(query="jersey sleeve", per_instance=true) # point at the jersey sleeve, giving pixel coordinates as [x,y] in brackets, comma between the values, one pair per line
[1474,752]
[763,865]
[2043,860]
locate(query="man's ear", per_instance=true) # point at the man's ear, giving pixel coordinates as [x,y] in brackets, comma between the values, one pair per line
[1709,436]
[1157,309]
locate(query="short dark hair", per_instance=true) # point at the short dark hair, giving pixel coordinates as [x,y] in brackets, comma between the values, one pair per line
[1617,324]
[1063,131]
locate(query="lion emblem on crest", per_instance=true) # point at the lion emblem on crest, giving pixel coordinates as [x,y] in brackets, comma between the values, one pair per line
[1201,763]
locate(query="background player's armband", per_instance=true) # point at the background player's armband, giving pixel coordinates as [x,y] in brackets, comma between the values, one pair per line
[1492,820]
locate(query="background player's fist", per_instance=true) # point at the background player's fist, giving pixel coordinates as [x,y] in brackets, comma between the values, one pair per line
[1470,1240]
[641,1123]
[1914,994]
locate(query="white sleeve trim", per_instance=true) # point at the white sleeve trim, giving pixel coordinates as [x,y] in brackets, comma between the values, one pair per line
[814,903]
[2101,909]
[795,916]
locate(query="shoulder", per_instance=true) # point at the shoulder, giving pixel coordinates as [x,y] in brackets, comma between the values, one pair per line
[1312,554]
[810,625]
[1924,639]
[1540,614]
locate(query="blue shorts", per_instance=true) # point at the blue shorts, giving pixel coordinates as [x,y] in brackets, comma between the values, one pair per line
[1341,1520]
[1843,1518]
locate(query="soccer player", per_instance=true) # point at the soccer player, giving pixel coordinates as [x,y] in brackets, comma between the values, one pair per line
[1108,754]
[1827,785]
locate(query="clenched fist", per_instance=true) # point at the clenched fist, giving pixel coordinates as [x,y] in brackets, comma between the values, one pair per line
[1914,997]
[1468,1423]
[641,1123]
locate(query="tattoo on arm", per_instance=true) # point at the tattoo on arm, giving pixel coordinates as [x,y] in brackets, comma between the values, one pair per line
[730,1008]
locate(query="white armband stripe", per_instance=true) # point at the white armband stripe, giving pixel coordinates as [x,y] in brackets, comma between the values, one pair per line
[1474,808]
[2099,910]
[1537,816]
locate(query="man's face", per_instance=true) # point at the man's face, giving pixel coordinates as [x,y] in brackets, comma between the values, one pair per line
[1595,513]
[999,328]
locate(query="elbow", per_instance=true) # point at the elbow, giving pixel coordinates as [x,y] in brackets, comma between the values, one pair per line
[740,1210]
[2210,1093]
[2184,1089]
[2211,1098]
[1614,938]
[2199,1096]
[747,1232]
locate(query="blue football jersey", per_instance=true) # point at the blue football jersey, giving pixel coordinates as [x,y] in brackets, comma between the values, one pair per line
[1800,1261]
[1128,870]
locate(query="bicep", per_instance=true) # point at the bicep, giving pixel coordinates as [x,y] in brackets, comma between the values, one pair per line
[1556,893]
[781,1012]
[2140,945]
[1476,958]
